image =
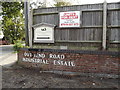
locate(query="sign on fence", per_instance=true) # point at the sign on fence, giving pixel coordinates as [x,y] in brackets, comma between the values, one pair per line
[69,19]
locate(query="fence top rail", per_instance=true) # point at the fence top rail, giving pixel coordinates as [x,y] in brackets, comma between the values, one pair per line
[72,51]
[70,6]
[86,7]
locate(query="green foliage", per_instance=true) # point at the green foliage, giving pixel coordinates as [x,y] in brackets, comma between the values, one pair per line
[61,3]
[13,21]
[37,4]
[18,44]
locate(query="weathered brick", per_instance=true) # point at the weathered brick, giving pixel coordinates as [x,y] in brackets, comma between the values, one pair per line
[73,62]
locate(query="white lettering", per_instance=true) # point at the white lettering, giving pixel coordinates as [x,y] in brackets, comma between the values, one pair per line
[39,58]
[27,54]
[62,56]
[54,56]
[64,63]
[24,59]
[39,55]
[69,63]
[35,60]
[50,55]
[72,64]
[59,62]
[54,62]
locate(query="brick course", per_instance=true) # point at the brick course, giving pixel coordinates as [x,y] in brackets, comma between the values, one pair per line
[85,62]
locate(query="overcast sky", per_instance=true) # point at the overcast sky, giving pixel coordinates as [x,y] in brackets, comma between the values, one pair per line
[76,2]
[96,1]
[80,1]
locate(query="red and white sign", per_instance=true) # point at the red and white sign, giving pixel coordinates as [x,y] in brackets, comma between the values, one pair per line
[69,19]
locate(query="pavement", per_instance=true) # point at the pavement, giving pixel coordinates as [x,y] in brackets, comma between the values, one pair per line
[7,56]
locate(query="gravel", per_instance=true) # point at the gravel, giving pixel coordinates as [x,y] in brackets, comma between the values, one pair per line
[19,77]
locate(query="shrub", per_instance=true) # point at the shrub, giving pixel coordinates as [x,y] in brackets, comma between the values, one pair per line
[18,45]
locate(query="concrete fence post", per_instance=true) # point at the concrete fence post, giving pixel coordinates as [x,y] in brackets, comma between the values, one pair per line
[30,28]
[26,23]
[104,43]
[29,25]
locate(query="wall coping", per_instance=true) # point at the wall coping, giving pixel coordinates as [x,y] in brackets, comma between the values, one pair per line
[73,51]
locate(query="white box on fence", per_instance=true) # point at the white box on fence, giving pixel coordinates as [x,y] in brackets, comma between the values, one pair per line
[43,33]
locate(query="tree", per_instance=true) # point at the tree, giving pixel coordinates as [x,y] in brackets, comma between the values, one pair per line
[0,19]
[13,22]
[37,4]
[61,3]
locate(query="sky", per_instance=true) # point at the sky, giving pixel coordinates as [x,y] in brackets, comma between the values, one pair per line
[96,1]
[81,2]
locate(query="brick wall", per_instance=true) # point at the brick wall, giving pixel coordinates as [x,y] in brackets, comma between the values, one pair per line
[70,60]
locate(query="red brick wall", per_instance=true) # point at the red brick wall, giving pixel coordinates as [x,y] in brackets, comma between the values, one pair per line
[70,61]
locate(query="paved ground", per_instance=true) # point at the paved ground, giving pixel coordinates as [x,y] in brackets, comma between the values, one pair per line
[5,49]
[7,55]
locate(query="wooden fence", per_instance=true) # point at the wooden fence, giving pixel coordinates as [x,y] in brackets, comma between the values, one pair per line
[93,23]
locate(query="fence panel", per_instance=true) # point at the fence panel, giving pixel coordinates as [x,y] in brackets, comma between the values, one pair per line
[91,28]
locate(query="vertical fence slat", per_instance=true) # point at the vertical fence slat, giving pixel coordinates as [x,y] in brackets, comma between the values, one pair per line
[95,23]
